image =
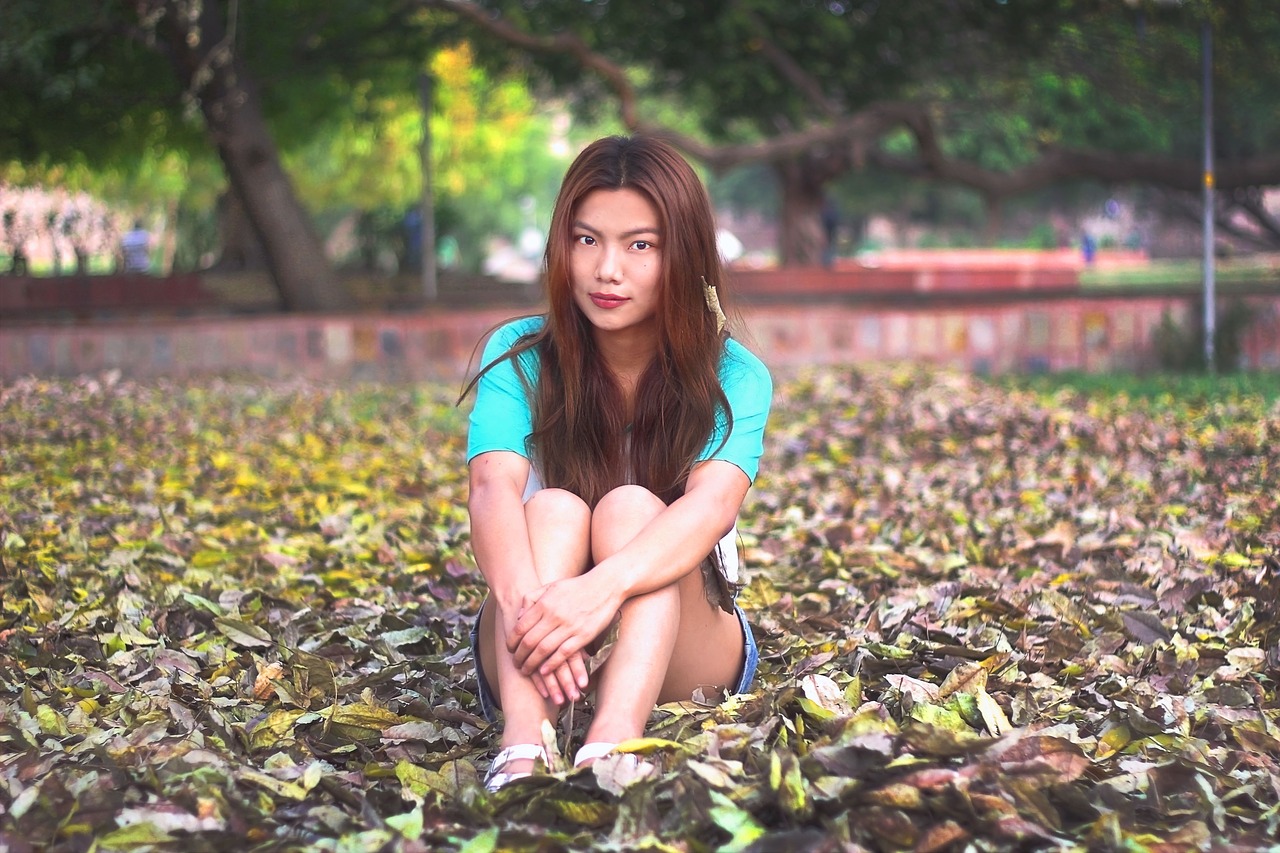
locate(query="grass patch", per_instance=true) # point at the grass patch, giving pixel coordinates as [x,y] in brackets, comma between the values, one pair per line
[1243,274]
[1162,390]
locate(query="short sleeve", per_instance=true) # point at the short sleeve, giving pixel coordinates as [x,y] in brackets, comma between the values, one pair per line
[501,418]
[749,389]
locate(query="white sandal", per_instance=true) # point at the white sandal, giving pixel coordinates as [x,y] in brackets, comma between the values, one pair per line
[496,778]
[592,752]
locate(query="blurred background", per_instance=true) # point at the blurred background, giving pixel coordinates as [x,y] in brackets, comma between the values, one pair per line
[281,155]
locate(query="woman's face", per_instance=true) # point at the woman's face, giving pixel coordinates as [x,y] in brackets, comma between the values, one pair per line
[615,262]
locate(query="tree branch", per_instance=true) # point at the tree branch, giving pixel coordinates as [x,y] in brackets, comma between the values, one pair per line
[860,130]
[855,131]
[1188,208]
[1059,164]
[562,43]
[787,66]
[1251,203]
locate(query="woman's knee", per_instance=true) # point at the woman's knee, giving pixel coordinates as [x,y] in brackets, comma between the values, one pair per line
[558,504]
[628,502]
[619,516]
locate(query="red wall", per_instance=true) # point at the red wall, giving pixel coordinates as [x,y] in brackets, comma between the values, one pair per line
[997,336]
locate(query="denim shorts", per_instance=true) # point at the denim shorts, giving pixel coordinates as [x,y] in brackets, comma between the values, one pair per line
[489,703]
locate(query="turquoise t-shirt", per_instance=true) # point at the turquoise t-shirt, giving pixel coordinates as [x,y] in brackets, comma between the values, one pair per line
[502,420]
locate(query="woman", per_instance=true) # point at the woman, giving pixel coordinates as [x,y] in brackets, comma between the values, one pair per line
[611,445]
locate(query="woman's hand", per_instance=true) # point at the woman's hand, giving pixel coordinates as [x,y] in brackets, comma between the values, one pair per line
[561,685]
[556,624]
[565,684]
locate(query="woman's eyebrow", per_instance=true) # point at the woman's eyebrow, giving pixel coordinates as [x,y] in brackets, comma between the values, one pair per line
[634,232]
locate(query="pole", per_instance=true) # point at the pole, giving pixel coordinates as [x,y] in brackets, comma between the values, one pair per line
[429,285]
[1210,314]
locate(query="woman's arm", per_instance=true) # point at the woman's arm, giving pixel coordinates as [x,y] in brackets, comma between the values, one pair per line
[561,618]
[499,538]
[500,542]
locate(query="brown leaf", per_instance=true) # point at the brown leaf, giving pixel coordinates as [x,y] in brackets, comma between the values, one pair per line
[263,688]
[1145,627]
[967,677]
[941,836]
[1055,757]
[898,795]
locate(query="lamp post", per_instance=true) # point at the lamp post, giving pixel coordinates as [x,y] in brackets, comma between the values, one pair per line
[1210,314]
[428,239]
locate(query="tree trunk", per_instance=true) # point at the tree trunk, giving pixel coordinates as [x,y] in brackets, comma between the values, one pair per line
[209,67]
[994,227]
[239,246]
[800,237]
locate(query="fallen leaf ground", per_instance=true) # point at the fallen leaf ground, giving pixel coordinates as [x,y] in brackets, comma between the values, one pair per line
[235,617]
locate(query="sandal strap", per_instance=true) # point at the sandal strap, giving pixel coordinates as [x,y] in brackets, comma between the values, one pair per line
[496,778]
[593,751]
[519,752]
[495,781]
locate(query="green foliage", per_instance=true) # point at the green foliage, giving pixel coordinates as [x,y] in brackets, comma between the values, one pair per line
[77,91]
[88,105]
[235,616]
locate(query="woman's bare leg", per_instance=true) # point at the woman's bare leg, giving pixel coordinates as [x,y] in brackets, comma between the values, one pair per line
[559,525]
[670,641]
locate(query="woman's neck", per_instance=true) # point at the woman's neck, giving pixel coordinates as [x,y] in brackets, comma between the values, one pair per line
[627,356]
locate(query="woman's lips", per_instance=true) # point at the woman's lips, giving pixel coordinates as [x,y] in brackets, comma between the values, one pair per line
[607,300]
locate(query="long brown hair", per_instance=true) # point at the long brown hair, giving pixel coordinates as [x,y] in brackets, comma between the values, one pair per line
[580,432]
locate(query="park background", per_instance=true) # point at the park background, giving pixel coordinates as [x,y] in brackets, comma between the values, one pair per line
[1013,552]
[1000,187]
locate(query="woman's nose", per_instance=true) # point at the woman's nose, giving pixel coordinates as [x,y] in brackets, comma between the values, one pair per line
[609,268]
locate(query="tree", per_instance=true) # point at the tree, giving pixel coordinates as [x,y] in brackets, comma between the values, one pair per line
[1000,98]
[494,158]
[106,83]
[328,90]
[200,49]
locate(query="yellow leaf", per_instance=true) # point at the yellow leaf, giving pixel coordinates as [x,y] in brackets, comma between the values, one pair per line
[742,828]
[993,715]
[822,691]
[409,824]
[583,812]
[277,726]
[292,790]
[364,716]
[247,479]
[142,834]
[1112,741]
[645,745]
[51,722]
[242,633]
[814,710]
[208,558]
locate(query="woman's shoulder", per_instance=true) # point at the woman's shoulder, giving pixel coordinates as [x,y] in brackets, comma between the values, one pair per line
[505,336]
[512,330]
[739,364]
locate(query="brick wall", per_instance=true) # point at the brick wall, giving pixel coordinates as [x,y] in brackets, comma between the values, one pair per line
[989,336]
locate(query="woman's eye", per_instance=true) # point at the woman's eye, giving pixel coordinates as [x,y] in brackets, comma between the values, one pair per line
[585,240]
[642,245]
